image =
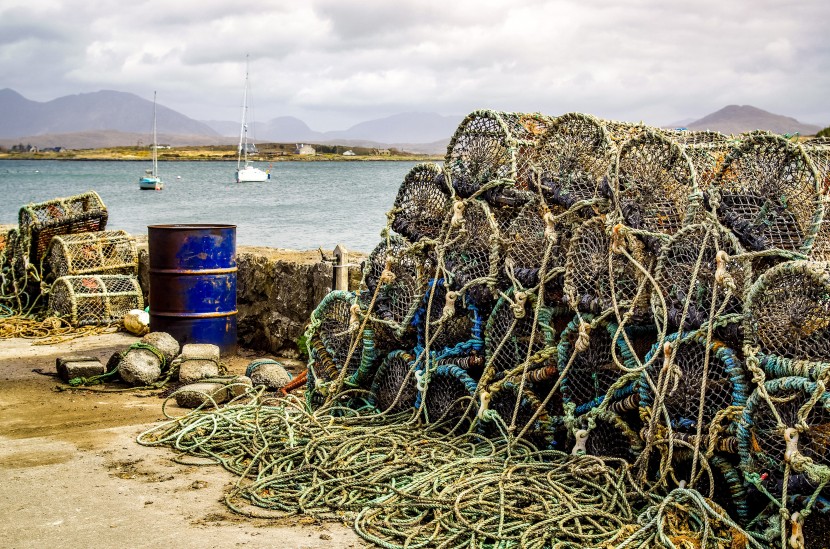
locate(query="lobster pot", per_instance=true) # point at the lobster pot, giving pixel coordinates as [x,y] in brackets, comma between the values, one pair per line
[798,409]
[654,181]
[502,403]
[104,252]
[677,381]
[787,311]
[491,145]
[94,299]
[768,194]
[394,386]
[448,396]
[707,150]
[40,222]
[587,285]
[573,158]
[686,276]
[456,333]
[423,201]
[819,152]
[611,437]
[395,299]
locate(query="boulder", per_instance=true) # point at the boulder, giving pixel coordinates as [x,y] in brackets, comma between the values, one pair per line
[165,343]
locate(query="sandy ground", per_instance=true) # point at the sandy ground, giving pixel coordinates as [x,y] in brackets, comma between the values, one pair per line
[72,475]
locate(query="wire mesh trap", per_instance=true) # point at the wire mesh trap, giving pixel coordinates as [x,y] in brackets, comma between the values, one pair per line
[653,185]
[395,276]
[574,157]
[787,311]
[470,259]
[423,201]
[784,434]
[493,146]
[446,324]
[89,300]
[39,222]
[532,419]
[698,277]
[103,252]
[393,387]
[593,360]
[598,280]
[688,387]
[768,194]
[818,150]
[448,396]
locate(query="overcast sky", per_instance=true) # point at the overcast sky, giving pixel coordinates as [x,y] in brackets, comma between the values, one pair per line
[337,62]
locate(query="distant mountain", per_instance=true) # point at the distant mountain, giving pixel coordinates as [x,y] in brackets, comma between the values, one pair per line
[404,128]
[735,119]
[89,112]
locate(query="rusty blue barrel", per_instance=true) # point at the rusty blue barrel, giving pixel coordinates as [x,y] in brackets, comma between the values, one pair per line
[193,283]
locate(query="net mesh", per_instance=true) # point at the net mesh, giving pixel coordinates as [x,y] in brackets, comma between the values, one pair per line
[768,194]
[104,252]
[393,388]
[787,312]
[90,300]
[423,201]
[448,396]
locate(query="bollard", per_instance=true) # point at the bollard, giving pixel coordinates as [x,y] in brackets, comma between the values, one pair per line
[341,268]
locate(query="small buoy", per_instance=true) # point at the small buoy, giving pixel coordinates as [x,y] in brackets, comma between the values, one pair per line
[178,177]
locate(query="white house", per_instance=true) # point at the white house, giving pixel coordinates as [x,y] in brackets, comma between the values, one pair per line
[304,149]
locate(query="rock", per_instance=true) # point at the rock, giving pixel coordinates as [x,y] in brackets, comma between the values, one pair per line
[140,367]
[165,343]
[270,373]
[198,361]
[196,394]
[239,385]
[71,367]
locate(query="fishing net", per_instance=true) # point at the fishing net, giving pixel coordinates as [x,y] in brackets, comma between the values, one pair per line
[493,146]
[784,436]
[423,201]
[610,437]
[767,193]
[818,150]
[447,325]
[787,311]
[393,387]
[336,343]
[39,222]
[689,385]
[653,185]
[471,256]
[620,131]
[574,157]
[596,277]
[698,276]
[707,151]
[593,360]
[448,395]
[90,300]
[103,252]
[394,275]
[513,334]
[501,405]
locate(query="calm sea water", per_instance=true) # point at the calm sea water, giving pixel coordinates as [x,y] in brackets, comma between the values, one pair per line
[304,206]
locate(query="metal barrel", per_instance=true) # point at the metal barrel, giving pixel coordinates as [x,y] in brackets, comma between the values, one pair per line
[193,283]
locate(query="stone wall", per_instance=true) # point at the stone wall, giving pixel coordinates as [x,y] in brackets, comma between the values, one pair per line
[277,290]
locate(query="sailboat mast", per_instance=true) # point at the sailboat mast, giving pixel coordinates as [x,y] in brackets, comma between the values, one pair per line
[155,143]
[243,131]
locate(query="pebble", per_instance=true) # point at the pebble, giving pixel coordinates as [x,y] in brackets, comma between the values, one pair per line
[269,373]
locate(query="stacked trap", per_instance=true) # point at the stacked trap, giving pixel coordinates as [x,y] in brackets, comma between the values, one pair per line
[571,306]
[61,260]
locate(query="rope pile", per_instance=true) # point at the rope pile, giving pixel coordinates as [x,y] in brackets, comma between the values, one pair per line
[597,334]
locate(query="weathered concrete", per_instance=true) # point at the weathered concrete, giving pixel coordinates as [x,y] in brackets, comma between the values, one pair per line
[277,290]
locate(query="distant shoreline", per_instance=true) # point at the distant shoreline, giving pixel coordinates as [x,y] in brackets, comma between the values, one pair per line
[80,156]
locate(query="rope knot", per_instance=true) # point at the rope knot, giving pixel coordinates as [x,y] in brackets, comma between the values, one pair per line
[618,234]
[519,306]
[583,339]
[722,276]
[550,226]
[354,317]
[457,213]
[387,276]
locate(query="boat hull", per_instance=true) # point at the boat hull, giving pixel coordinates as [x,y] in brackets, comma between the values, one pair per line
[150,184]
[250,174]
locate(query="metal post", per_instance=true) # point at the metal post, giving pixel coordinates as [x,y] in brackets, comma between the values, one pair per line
[341,268]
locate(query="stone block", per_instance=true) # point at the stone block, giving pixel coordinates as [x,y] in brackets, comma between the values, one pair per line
[196,394]
[71,367]
[198,361]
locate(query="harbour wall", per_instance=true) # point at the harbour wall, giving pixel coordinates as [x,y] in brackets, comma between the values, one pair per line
[277,290]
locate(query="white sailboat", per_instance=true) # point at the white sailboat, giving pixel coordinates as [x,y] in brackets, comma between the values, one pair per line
[151,180]
[246,172]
